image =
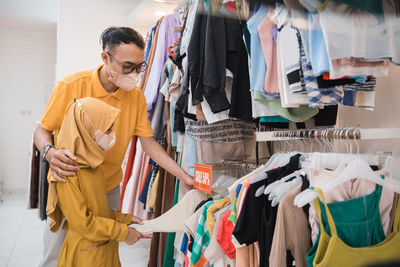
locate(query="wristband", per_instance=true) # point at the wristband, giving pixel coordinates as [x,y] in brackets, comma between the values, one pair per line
[46,149]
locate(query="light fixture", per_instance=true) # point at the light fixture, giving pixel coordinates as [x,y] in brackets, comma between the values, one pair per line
[160,13]
[167,1]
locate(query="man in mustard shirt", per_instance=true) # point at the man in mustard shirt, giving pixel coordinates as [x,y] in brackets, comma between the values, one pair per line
[115,84]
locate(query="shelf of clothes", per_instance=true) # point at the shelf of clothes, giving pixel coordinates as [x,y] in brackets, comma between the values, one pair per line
[219,69]
[256,222]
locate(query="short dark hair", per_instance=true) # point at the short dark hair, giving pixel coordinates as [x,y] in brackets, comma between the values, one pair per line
[113,36]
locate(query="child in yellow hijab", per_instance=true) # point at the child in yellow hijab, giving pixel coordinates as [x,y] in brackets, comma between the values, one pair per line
[93,230]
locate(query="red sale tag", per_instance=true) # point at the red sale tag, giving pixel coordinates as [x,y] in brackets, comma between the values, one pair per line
[202,177]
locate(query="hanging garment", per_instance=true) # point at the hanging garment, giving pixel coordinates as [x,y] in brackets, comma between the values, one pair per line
[317,48]
[218,205]
[173,219]
[169,257]
[299,114]
[259,108]
[212,117]
[163,202]
[257,218]
[34,185]
[128,170]
[287,72]
[330,247]
[208,45]
[290,56]
[214,251]
[352,67]
[150,58]
[228,131]
[224,236]
[167,35]
[292,232]
[269,50]
[237,57]
[357,220]
[258,66]
[356,28]
[202,237]
[345,191]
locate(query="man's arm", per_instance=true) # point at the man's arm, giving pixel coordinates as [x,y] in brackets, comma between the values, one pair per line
[161,157]
[62,162]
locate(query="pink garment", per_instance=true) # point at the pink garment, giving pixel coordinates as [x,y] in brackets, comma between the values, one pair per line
[224,236]
[348,190]
[130,202]
[352,67]
[138,208]
[269,49]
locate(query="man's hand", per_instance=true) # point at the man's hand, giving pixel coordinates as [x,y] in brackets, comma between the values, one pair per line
[133,236]
[160,156]
[188,181]
[62,163]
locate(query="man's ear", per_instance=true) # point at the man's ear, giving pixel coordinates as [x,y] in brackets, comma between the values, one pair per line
[105,57]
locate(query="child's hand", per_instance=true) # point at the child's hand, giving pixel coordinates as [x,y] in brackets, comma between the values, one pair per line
[133,236]
[137,220]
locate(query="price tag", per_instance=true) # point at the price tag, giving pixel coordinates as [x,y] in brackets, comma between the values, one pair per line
[202,177]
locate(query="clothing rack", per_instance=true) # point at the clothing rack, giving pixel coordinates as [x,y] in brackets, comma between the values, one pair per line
[235,164]
[350,133]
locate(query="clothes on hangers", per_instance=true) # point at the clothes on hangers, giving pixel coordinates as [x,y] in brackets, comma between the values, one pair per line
[268,46]
[387,250]
[252,227]
[292,232]
[348,190]
[356,225]
[227,131]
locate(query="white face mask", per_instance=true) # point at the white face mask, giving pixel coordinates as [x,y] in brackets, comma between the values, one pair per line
[105,141]
[123,81]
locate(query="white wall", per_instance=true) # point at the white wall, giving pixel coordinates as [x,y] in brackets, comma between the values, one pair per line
[26,79]
[80,24]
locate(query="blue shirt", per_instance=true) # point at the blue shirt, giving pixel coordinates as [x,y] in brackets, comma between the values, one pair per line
[317,48]
[258,67]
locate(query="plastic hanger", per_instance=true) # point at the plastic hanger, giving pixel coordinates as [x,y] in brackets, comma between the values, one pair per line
[273,185]
[355,169]
[281,191]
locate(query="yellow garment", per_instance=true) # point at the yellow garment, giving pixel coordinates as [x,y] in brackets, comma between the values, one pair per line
[332,251]
[151,201]
[132,119]
[92,228]
[218,205]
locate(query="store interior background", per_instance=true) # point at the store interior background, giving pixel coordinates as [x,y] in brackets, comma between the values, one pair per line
[41,41]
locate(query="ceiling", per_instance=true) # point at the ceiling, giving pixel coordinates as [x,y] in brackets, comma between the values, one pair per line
[41,15]
[146,14]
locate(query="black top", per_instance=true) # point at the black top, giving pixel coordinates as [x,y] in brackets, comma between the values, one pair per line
[257,218]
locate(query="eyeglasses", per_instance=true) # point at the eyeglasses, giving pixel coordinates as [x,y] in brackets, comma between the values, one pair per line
[131,67]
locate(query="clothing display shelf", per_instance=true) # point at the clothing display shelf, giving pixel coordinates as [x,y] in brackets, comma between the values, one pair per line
[350,133]
[235,164]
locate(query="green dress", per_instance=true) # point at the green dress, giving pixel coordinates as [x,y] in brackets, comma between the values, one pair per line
[358,222]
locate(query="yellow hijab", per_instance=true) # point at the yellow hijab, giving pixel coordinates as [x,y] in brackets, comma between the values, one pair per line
[82,119]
